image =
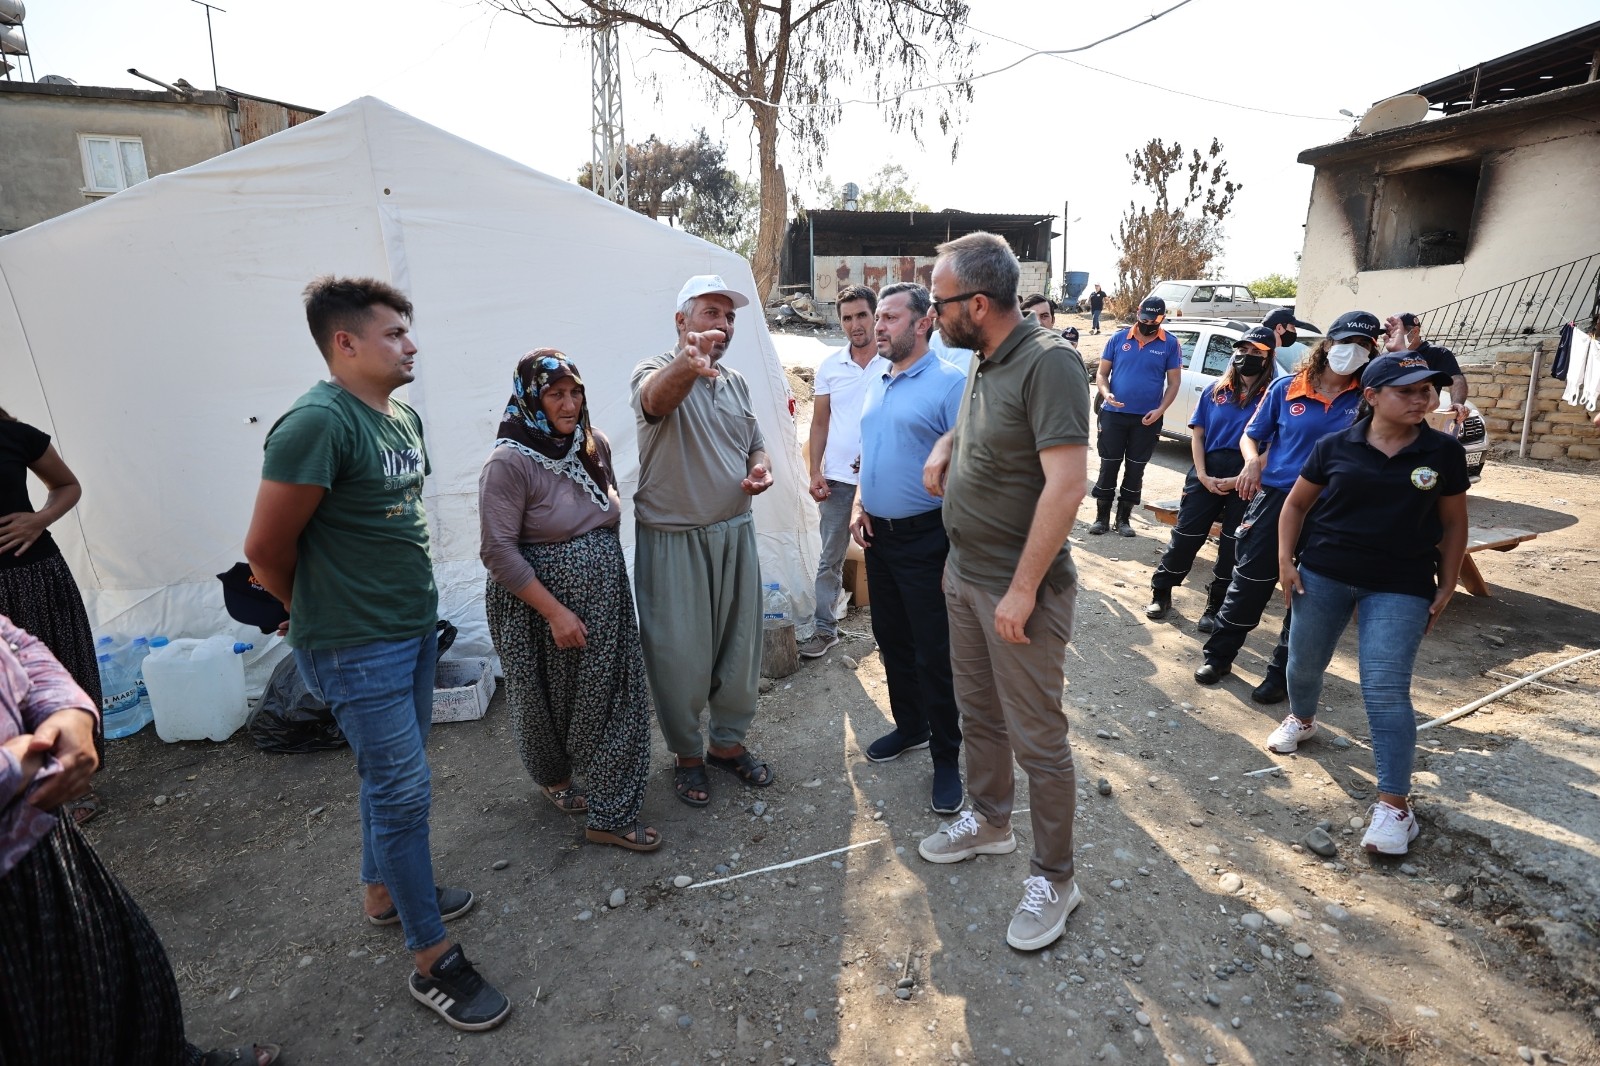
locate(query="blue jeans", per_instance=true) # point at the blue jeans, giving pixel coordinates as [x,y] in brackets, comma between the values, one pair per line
[1094,315]
[835,529]
[1390,631]
[382,697]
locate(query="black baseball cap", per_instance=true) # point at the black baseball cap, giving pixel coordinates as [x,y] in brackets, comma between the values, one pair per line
[1258,337]
[1401,368]
[248,602]
[1284,316]
[1408,320]
[1356,324]
[1152,308]
[1071,333]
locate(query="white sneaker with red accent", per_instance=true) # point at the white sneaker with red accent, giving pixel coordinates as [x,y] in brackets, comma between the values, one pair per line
[1290,734]
[1391,830]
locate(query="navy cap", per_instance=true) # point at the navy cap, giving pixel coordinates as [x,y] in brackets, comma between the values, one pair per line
[1071,333]
[248,602]
[1408,320]
[1259,337]
[1153,307]
[1284,316]
[1401,368]
[1356,324]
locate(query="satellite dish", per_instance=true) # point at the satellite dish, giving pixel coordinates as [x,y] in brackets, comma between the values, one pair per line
[56,79]
[1403,110]
[12,12]
[12,42]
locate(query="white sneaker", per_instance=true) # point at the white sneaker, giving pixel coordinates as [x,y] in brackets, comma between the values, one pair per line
[1390,831]
[1041,917]
[966,837]
[1290,734]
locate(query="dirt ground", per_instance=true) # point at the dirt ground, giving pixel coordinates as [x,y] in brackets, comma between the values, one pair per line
[1208,933]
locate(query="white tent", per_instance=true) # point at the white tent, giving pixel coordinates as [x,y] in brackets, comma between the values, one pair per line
[158,334]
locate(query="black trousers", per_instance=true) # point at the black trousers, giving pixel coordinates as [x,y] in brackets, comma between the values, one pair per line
[1255,578]
[1199,508]
[1123,439]
[905,580]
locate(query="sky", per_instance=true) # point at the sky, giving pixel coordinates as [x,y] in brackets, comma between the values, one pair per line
[1044,134]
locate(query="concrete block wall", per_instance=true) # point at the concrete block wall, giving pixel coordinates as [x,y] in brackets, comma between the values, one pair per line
[1558,430]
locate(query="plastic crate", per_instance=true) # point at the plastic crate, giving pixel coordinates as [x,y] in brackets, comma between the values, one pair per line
[462,689]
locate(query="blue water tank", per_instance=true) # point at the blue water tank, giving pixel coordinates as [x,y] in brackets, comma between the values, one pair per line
[1075,281]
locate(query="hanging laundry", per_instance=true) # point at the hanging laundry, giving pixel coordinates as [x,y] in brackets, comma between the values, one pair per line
[1558,366]
[1583,372]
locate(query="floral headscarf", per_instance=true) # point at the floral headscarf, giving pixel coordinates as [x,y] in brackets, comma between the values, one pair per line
[525,427]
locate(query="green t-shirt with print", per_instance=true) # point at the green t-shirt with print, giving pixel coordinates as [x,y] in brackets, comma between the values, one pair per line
[364,572]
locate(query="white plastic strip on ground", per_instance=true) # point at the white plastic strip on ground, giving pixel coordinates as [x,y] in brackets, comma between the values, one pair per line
[790,864]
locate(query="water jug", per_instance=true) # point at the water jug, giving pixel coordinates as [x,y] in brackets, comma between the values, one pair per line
[119,697]
[197,688]
[135,654]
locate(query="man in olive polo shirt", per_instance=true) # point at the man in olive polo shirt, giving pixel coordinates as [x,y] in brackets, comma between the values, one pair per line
[1012,475]
[696,575]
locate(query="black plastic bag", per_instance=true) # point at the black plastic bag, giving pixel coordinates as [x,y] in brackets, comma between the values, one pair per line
[289,719]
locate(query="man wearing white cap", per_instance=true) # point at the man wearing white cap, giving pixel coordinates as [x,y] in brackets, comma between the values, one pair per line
[696,574]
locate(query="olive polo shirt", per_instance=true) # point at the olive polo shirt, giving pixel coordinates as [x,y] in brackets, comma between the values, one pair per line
[693,460]
[1376,524]
[1024,398]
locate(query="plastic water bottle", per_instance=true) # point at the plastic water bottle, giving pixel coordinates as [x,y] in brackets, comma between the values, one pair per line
[119,700]
[775,609]
[135,655]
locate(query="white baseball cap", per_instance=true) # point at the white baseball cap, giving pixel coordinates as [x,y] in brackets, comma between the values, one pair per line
[710,285]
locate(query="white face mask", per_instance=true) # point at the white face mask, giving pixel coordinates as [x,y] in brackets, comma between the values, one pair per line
[1346,358]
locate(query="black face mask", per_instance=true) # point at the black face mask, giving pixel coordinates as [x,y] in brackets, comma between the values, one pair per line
[1288,337]
[1148,329]
[1249,365]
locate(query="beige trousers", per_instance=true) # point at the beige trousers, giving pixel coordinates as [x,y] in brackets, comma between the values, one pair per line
[1010,701]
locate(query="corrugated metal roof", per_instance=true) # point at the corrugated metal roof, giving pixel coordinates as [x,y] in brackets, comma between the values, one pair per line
[1557,63]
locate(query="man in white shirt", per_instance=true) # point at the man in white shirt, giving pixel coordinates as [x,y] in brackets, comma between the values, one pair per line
[835,450]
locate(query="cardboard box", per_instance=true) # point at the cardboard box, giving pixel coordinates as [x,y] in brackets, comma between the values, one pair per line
[462,690]
[855,575]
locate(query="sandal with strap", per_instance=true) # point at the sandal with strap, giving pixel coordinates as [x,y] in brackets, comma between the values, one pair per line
[569,800]
[639,838]
[745,766]
[687,779]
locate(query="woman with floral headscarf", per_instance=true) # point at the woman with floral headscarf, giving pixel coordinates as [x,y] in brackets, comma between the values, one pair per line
[560,607]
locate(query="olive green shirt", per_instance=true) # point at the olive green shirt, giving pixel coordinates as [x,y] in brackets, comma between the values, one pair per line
[364,572]
[693,460]
[1026,397]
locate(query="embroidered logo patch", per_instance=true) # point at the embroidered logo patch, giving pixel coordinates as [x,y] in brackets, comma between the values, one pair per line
[1425,477]
[1127,346]
[1297,408]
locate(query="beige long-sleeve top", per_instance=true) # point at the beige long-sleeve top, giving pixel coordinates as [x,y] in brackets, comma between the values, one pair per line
[521,502]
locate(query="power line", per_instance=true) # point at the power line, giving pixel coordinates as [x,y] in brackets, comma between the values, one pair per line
[1062,55]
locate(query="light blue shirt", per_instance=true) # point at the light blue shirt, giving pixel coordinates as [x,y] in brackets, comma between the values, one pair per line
[960,358]
[902,417]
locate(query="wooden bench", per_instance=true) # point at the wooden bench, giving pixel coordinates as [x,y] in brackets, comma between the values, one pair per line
[1479,538]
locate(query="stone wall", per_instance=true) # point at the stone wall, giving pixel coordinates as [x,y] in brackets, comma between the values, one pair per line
[1500,391]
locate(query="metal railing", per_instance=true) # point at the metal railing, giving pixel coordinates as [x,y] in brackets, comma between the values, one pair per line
[1534,306]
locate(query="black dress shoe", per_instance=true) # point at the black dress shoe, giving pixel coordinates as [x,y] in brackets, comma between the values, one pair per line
[1271,690]
[1211,673]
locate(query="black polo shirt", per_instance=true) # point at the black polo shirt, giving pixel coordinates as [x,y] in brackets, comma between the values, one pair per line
[1440,359]
[1377,522]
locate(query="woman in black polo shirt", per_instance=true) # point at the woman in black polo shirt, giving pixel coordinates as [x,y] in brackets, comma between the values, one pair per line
[1387,537]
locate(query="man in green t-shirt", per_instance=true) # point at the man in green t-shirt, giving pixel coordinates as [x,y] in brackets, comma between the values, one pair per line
[340,536]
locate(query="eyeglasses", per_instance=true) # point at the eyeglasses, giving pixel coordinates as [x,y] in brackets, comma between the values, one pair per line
[938,305]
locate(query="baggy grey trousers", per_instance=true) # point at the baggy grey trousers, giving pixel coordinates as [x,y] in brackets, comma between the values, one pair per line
[699,598]
[1010,700]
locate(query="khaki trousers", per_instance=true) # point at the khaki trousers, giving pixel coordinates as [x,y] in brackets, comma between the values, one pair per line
[1010,701]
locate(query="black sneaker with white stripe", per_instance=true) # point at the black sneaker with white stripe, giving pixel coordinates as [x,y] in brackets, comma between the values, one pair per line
[459,995]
